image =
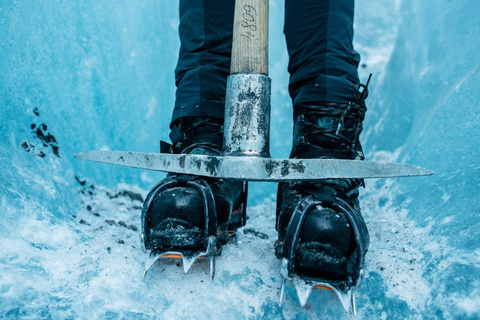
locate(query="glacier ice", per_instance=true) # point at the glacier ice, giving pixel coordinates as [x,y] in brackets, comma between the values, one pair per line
[99,75]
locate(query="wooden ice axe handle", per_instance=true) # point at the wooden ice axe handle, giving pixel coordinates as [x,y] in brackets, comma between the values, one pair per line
[250,37]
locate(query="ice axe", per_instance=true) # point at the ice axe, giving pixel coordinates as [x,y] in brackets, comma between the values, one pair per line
[246,154]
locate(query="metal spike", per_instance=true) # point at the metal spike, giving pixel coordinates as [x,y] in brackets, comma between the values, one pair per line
[303,289]
[188,262]
[282,291]
[151,259]
[354,304]
[211,246]
[142,242]
[212,267]
[284,274]
[347,298]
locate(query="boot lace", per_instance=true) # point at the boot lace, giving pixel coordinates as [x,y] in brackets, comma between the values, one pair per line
[351,112]
[194,132]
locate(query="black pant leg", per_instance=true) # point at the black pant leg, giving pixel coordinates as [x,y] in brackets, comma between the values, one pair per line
[206,28]
[323,64]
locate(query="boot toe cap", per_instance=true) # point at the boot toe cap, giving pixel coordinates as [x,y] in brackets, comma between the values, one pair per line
[326,242]
[172,206]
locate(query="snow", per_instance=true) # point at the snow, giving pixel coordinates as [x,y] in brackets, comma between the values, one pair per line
[99,75]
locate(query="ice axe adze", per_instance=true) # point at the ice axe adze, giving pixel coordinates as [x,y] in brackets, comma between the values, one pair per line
[246,154]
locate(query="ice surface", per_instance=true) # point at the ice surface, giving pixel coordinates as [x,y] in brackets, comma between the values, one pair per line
[99,75]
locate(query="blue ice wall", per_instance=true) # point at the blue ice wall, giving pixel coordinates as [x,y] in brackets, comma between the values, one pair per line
[429,109]
[99,75]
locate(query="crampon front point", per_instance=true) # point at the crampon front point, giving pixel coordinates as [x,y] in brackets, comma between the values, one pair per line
[188,257]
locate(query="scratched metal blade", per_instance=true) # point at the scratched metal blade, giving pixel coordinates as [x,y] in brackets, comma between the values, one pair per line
[254,168]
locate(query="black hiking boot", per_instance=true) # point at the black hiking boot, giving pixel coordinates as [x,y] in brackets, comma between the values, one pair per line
[322,237]
[183,214]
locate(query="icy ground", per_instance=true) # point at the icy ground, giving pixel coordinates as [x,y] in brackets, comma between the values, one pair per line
[99,75]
